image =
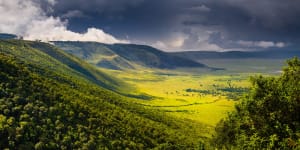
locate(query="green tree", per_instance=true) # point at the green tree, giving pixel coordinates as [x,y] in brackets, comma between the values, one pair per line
[268,117]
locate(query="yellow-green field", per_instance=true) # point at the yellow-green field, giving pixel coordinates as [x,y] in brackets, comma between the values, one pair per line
[199,97]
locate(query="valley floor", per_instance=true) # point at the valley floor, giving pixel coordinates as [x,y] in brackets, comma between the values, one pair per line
[201,99]
[196,95]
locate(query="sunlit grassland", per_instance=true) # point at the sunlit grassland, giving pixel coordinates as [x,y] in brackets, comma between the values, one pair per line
[198,97]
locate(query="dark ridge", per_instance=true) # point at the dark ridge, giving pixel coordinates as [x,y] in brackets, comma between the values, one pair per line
[151,57]
[269,54]
[5,36]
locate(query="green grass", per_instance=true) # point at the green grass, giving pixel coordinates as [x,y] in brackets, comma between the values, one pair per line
[169,91]
[197,94]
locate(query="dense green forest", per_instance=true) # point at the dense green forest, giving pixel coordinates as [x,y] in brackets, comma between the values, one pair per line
[268,117]
[45,108]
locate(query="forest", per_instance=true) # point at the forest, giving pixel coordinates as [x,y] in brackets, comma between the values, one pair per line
[42,109]
[268,117]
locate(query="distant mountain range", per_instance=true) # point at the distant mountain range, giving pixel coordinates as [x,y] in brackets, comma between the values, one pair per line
[264,54]
[7,36]
[133,56]
[125,56]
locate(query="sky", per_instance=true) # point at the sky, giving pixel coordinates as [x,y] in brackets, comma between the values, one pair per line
[170,25]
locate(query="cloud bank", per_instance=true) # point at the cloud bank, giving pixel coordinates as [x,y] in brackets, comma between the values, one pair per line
[29,20]
[216,25]
[191,24]
[262,44]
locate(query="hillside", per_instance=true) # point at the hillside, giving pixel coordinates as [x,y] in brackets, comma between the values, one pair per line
[96,53]
[125,56]
[50,57]
[49,102]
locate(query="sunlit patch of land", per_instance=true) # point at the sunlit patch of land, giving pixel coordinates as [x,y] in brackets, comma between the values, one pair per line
[199,96]
[204,98]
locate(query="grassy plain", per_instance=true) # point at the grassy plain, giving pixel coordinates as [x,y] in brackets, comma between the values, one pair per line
[197,95]
[200,98]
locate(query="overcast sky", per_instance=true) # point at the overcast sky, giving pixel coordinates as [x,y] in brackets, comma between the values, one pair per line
[170,25]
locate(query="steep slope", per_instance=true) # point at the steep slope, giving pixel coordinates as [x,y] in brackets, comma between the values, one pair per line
[151,57]
[96,53]
[50,57]
[125,56]
[46,104]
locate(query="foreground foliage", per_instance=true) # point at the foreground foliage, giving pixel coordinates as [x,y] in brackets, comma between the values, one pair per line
[44,109]
[269,117]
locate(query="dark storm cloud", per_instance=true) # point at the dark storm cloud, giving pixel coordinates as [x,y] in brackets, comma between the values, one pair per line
[200,24]
[267,19]
[270,13]
[95,6]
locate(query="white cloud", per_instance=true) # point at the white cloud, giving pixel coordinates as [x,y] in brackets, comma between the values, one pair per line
[26,18]
[17,14]
[280,44]
[261,44]
[177,42]
[52,2]
[174,42]
[160,45]
[190,41]
[73,14]
[264,44]
[201,8]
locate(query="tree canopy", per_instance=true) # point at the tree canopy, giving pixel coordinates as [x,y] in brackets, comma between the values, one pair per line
[268,117]
[42,108]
